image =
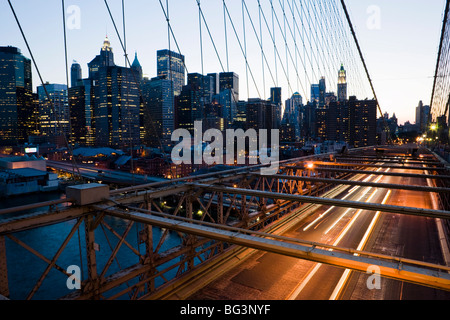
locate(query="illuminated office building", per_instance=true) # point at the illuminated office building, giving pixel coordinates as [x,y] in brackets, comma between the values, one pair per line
[16,100]
[170,65]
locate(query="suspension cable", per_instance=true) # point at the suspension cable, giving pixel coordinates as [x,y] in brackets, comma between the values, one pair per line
[74,163]
[135,79]
[57,118]
[367,71]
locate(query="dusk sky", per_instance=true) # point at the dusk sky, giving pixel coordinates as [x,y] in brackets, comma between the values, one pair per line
[399,39]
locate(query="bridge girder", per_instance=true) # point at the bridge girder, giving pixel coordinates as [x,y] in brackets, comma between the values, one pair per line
[255,201]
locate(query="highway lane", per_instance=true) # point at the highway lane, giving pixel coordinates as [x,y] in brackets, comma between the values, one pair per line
[346,228]
[324,226]
[405,236]
[271,276]
[409,237]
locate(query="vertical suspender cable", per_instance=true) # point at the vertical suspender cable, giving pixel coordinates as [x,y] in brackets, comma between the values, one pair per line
[133,73]
[262,50]
[69,147]
[202,95]
[367,71]
[245,48]
[74,164]
[274,47]
[240,46]
[444,26]
[127,78]
[259,39]
[124,32]
[226,37]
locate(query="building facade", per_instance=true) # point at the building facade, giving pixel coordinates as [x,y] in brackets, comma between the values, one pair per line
[158,114]
[422,116]
[171,66]
[54,115]
[76,74]
[16,96]
[342,84]
[229,96]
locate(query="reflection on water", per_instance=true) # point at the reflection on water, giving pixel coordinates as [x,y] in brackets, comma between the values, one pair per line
[25,268]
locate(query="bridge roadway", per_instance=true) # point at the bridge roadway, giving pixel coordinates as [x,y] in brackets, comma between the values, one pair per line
[271,276]
[263,275]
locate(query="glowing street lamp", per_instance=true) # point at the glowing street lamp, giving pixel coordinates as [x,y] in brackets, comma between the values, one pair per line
[310,165]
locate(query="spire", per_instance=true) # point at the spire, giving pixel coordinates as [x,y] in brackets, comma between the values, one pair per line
[342,75]
[342,84]
[136,66]
[106,44]
[106,53]
[136,63]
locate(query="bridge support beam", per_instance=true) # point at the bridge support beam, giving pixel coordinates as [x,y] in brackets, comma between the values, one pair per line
[360,183]
[93,279]
[332,202]
[4,288]
[390,267]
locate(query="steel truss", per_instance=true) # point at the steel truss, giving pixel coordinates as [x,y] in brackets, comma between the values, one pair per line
[214,216]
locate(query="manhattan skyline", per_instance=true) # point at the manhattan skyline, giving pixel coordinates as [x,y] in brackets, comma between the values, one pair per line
[400,47]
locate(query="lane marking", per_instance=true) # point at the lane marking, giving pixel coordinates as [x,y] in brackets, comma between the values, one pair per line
[346,274]
[313,271]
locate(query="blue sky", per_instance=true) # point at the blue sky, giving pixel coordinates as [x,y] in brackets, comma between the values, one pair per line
[399,39]
[401,55]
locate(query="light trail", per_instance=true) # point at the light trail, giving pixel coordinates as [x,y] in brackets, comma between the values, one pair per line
[346,274]
[341,282]
[349,209]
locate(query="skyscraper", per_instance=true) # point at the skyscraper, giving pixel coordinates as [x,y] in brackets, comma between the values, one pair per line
[342,84]
[187,108]
[338,125]
[203,84]
[292,105]
[75,74]
[292,113]
[117,110]
[322,91]
[104,59]
[275,98]
[81,112]
[363,122]
[261,114]
[15,96]
[315,93]
[159,114]
[190,104]
[229,96]
[352,121]
[136,66]
[54,113]
[216,82]
[115,101]
[170,65]
[422,114]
